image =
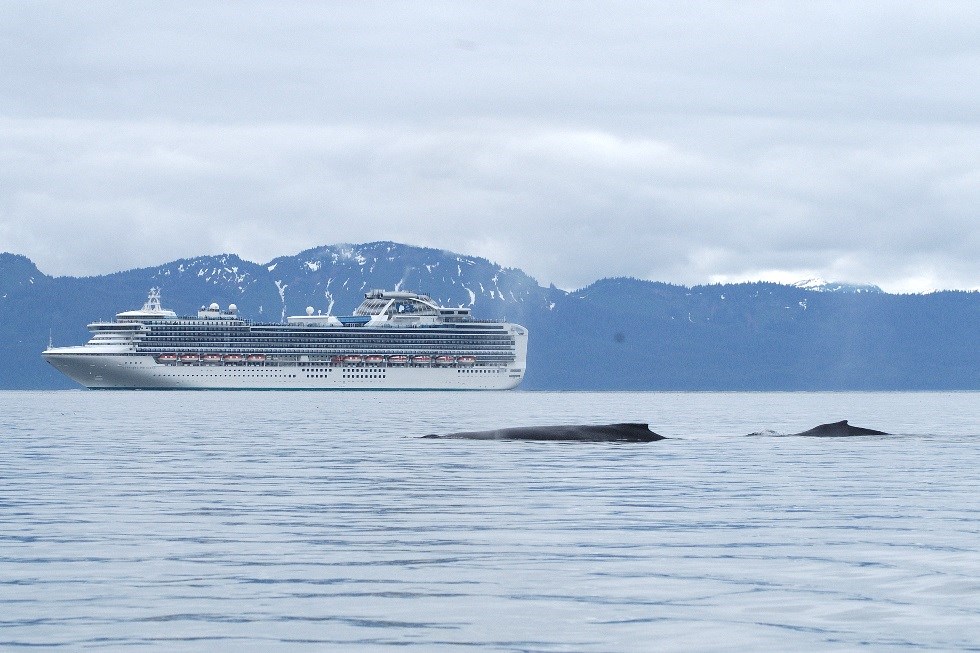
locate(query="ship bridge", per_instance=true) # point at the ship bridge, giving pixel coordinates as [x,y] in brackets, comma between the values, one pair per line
[152,310]
[399,304]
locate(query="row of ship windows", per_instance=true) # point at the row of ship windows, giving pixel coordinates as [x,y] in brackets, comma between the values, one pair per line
[314,350]
[486,360]
[245,333]
[266,374]
[470,370]
[299,328]
[281,357]
[211,346]
[358,333]
[380,375]
[288,376]
[296,330]
[358,367]
[400,349]
[455,342]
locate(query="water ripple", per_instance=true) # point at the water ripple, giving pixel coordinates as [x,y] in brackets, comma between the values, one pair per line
[320,520]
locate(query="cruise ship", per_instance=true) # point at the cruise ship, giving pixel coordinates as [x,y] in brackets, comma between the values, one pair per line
[393,341]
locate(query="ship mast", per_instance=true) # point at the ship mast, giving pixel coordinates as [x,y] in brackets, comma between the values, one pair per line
[153,301]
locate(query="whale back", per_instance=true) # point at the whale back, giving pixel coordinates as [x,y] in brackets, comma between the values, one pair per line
[625,432]
[839,430]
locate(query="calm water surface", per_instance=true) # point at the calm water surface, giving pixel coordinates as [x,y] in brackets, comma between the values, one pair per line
[256,521]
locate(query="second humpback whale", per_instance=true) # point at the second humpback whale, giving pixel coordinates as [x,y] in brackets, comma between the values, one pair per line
[627,432]
[839,429]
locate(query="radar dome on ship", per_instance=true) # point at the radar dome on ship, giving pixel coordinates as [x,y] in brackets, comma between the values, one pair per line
[232,308]
[309,310]
[214,306]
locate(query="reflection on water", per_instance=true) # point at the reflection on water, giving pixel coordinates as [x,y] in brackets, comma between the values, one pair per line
[248,520]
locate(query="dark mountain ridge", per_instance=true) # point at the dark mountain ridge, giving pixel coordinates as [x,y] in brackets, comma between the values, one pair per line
[616,333]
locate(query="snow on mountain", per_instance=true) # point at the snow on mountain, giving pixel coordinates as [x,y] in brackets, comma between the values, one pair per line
[226,270]
[336,276]
[17,273]
[822,285]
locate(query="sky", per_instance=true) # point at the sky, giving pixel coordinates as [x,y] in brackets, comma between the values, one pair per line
[687,142]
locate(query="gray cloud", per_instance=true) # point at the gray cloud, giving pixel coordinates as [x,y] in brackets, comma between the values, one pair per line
[694,143]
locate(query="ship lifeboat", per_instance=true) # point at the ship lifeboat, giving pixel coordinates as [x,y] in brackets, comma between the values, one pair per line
[336,360]
[189,358]
[421,360]
[167,358]
[353,358]
[374,359]
[466,360]
[211,358]
[445,360]
[233,358]
[255,358]
[397,360]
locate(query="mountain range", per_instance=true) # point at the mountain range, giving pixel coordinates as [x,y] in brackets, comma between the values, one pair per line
[620,333]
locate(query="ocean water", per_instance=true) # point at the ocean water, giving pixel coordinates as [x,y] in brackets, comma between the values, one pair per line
[321,521]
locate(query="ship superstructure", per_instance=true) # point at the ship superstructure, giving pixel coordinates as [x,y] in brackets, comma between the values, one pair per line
[394,340]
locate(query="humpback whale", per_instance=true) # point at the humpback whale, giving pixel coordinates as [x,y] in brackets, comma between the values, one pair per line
[628,432]
[839,429]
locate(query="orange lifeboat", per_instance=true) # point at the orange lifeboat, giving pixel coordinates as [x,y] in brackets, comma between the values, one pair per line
[353,358]
[233,358]
[255,358]
[445,360]
[398,359]
[189,358]
[167,358]
[212,358]
[421,360]
[466,360]
[374,359]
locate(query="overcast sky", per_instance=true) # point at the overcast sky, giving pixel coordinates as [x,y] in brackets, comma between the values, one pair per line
[688,142]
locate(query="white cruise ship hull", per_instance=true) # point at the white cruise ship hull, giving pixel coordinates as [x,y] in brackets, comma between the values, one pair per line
[134,371]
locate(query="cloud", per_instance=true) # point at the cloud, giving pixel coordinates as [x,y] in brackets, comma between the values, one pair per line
[685,144]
